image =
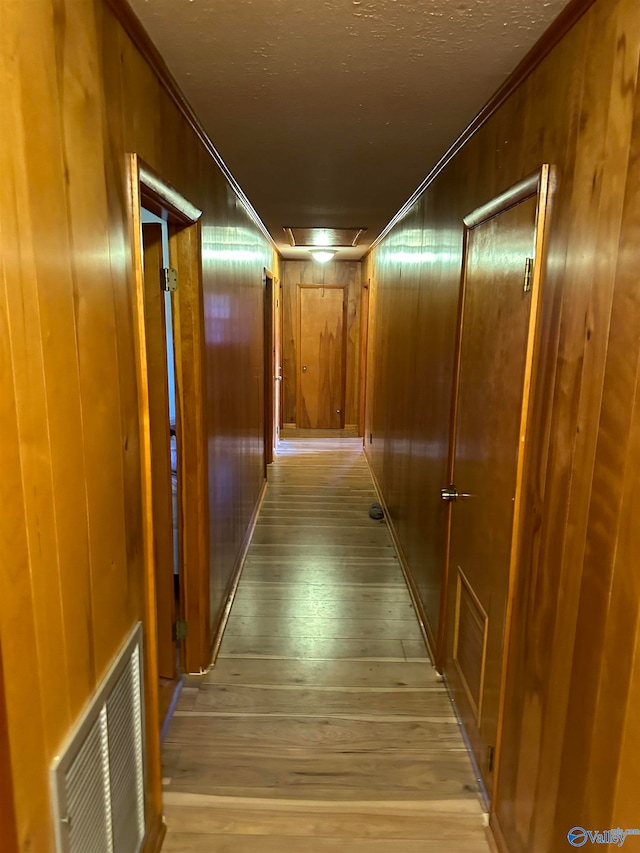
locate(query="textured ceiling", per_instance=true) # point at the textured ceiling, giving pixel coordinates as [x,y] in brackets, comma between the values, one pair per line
[331,112]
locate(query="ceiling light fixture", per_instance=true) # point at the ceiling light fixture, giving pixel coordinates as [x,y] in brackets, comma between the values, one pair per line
[322,238]
[322,257]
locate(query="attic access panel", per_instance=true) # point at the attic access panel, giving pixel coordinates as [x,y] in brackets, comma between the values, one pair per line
[325,237]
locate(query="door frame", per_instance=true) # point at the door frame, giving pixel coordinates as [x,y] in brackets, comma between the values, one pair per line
[345,298]
[155,253]
[540,184]
[151,191]
[365,299]
[369,376]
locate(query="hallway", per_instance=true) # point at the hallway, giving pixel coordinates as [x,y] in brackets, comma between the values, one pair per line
[323,725]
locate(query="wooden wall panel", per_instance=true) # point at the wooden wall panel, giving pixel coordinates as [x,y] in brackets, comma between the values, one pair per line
[617,475]
[343,273]
[78,98]
[7,806]
[572,675]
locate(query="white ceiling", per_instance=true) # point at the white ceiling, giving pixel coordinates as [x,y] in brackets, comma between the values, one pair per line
[331,112]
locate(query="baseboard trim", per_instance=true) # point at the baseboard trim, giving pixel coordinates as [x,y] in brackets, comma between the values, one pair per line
[155,835]
[425,629]
[177,689]
[218,634]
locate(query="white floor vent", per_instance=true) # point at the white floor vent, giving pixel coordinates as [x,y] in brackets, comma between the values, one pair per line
[98,778]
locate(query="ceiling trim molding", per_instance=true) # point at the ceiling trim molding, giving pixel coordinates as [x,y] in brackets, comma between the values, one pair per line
[150,53]
[567,19]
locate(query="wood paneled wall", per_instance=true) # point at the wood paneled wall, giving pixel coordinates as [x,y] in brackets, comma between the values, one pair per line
[571,723]
[77,97]
[346,274]
[7,810]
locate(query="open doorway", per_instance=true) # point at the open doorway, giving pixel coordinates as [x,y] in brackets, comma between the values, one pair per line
[167,256]
[159,281]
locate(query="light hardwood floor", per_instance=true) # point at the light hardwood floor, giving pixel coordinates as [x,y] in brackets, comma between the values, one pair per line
[323,726]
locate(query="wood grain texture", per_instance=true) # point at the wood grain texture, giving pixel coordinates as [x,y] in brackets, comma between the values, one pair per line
[270,372]
[575,604]
[78,98]
[185,249]
[301,739]
[322,371]
[7,805]
[340,273]
[490,397]
[364,351]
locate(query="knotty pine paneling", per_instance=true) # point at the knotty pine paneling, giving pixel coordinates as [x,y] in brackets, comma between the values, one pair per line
[569,725]
[78,97]
[346,274]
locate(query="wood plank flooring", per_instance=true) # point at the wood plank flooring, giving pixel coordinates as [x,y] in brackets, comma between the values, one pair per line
[323,726]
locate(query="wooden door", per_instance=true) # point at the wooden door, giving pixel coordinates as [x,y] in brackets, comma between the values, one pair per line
[156,356]
[322,357]
[493,378]
[278,379]
[269,369]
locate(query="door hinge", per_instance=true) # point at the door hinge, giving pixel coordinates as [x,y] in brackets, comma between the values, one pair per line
[528,275]
[492,752]
[180,630]
[168,279]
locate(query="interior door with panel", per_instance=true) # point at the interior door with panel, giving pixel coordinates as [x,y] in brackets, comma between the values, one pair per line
[495,354]
[322,357]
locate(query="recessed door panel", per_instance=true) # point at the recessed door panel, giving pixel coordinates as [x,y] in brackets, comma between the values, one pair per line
[322,358]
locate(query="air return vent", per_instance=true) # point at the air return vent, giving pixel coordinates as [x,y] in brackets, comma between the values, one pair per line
[98,778]
[470,643]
